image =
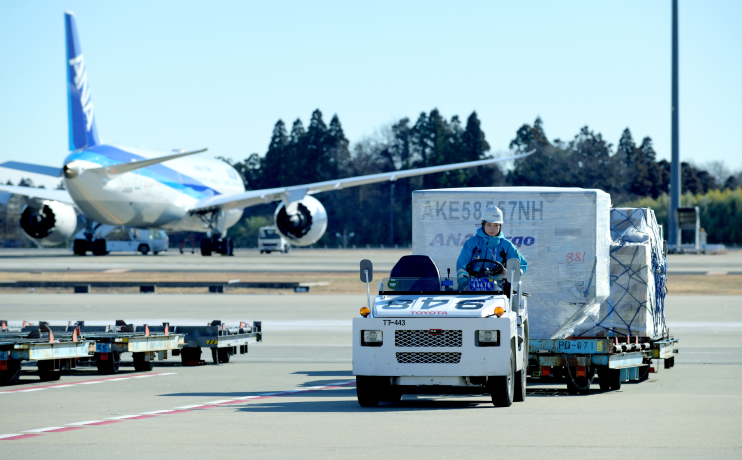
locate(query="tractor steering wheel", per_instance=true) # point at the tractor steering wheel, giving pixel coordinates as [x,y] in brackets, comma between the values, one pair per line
[495,270]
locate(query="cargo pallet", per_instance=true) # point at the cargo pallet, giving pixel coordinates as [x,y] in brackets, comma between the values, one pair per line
[578,360]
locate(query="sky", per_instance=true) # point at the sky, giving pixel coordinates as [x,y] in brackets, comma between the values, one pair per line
[220,74]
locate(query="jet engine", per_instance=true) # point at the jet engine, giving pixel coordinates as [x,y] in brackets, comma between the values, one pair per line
[50,223]
[302,222]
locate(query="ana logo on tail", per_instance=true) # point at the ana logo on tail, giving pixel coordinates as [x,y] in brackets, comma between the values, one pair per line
[81,83]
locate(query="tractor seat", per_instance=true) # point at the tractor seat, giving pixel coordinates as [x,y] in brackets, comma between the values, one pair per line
[421,267]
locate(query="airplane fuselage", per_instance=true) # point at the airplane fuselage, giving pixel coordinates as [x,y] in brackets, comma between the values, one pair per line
[157,196]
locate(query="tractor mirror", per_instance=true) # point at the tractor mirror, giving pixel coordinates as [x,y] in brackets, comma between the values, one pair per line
[367,267]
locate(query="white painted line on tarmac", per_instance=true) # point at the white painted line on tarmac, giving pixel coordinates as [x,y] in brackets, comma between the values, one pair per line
[53,429]
[87,422]
[94,422]
[87,382]
[176,410]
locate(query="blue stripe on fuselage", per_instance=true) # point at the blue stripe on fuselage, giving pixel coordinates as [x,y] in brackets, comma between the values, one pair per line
[106,155]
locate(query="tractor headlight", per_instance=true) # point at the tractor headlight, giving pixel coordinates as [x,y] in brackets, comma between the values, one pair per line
[488,338]
[372,338]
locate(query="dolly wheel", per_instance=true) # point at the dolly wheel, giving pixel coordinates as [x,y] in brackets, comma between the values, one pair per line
[142,365]
[604,379]
[110,365]
[47,372]
[12,373]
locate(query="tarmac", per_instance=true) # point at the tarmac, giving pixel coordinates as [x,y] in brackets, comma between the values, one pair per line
[293,395]
[298,261]
[248,261]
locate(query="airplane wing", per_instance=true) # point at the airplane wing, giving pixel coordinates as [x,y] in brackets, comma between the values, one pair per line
[134,165]
[32,168]
[39,193]
[297,192]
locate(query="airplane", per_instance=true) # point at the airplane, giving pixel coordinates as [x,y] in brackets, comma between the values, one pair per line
[126,186]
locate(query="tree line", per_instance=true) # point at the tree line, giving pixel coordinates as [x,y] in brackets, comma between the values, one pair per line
[380,214]
[721,212]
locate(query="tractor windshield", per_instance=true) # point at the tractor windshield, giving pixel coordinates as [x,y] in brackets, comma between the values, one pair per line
[269,234]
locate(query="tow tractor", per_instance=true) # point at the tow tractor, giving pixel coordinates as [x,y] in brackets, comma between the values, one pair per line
[424,334]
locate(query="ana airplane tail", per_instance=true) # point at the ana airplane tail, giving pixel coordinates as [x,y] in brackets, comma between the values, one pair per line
[83,132]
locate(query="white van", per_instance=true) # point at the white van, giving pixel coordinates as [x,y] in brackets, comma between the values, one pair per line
[269,239]
[137,239]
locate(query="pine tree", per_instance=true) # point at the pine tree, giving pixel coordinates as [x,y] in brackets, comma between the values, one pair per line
[295,166]
[538,169]
[474,146]
[313,164]
[335,151]
[655,176]
[631,165]
[273,165]
[592,155]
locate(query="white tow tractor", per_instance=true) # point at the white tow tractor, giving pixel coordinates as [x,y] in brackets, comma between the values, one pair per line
[423,334]
[270,240]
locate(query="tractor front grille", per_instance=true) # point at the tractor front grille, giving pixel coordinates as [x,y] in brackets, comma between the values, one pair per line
[427,338]
[428,358]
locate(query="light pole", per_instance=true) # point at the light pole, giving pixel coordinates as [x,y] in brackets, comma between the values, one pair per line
[673,234]
[391,214]
[345,237]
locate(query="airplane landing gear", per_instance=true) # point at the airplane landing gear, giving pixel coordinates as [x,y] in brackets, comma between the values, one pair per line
[98,247]
[80,247]
[217,244]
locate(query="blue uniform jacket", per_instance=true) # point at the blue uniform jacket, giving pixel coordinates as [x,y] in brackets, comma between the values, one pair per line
[483,246]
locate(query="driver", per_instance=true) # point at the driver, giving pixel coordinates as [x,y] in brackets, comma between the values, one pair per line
[488,243]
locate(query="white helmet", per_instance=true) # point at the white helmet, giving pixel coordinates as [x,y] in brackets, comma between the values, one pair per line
[492,214]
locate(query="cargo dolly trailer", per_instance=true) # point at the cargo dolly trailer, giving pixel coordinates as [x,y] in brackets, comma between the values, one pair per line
[222,340]
[578,360]
[52,354]
[111,342]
